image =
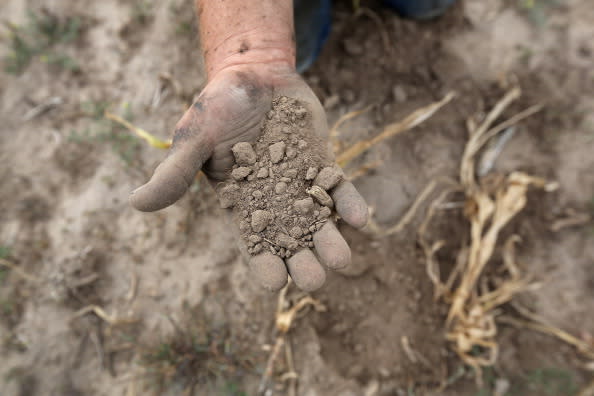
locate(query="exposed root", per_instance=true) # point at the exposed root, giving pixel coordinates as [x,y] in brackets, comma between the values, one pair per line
[363,170]
[535,322]
[112,320]
[471,322]
[335,132]
[411,121]
[284,320]
[572,219]
[19,271]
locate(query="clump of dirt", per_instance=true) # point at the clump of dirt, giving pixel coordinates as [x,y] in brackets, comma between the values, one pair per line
[279,185]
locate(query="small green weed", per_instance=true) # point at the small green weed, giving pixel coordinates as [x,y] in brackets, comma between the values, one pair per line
[537,11]
[197,355]
[549,381]
[142,11]
[38,38]
[183,19]
[105,131]
[4,253]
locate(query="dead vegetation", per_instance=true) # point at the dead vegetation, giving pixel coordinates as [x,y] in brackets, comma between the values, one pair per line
[198,355]
[491,202]
[286,313]
[41,38]
[474,296]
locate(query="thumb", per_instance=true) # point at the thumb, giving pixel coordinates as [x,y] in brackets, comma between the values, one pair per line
[190,149]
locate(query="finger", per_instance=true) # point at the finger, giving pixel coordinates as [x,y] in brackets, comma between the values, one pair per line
[332,249]
[269,270]
[306,271]
[190,149]
[350,205]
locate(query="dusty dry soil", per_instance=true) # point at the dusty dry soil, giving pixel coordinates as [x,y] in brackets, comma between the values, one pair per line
[103,300]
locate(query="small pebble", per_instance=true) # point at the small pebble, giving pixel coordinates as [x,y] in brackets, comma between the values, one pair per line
[311,173]
[260,220]
[321,196]
[316,213]
[244,153]
[303,206]
[292,173]
[284,166]
[257,248]
[267,188]
[258,194]
[262,173]
[328,177]
[296,232]
[312,228]
[324,212]
[286,130]
[280,187]
[277,150]
[285,179]
[254,238]
[286,241]
[301,144]
[240,173]
[291,153]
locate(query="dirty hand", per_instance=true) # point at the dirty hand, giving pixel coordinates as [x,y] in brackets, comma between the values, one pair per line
[230,110]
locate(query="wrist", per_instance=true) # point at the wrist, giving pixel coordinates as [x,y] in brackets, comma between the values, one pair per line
[254,48]
[246,32]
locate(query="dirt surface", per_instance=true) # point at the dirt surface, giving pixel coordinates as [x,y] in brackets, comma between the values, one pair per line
[77,245]
[279,187]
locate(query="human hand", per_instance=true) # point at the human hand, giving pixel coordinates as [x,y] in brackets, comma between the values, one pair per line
[230,110]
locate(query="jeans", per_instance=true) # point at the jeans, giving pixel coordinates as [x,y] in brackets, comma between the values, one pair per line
[313,20]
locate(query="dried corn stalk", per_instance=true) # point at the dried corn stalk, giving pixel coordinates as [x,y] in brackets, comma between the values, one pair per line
[470,324]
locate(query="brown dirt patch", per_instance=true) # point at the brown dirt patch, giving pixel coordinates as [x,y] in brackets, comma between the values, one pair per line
[278,187]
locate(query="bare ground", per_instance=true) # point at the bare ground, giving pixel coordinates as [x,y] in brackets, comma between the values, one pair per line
[67,173]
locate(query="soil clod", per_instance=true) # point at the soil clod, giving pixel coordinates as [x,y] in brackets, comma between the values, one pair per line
[244,154]
[271,188]
[260,220]
[311,173]
[240,173]
[328,177]
[277,151]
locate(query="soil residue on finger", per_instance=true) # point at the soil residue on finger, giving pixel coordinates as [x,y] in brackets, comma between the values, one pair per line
[279,185]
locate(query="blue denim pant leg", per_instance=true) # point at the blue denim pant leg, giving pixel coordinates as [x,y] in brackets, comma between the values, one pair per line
[313,20]
[419,9]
